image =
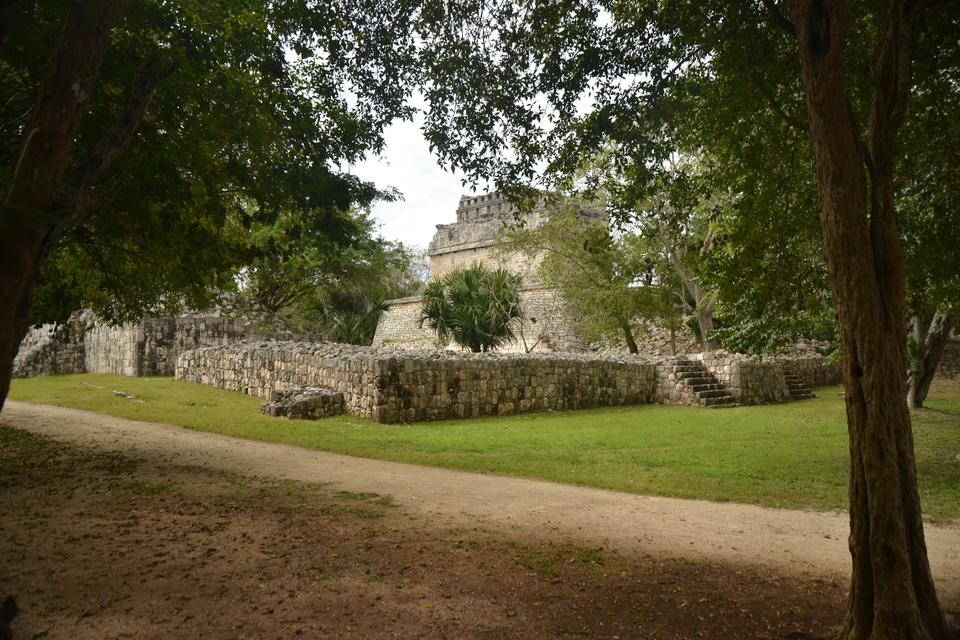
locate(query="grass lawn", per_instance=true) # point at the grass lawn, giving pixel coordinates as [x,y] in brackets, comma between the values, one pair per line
[791,455]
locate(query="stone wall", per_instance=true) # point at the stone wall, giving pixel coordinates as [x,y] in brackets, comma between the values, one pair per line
[147,348]
[113,350]
[399,327]
[404,386]
[950,363]
[750,382]
[52,350]
[263,369]
[394,386]
[815,371]
[753,382]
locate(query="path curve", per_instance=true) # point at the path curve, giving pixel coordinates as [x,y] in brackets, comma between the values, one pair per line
[794,542]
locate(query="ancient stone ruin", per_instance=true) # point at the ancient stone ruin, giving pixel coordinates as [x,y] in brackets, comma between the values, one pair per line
[240,349]
[396,386]
[146,348]
[474,238]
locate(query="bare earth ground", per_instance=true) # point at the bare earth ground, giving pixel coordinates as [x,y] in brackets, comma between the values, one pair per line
[145,530]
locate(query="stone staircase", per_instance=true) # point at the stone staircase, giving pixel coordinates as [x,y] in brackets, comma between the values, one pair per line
[703,387]
[798,390]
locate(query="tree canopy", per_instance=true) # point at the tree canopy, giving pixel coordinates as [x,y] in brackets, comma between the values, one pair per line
[134,137]
[255,120]
[612,284]
[788,94]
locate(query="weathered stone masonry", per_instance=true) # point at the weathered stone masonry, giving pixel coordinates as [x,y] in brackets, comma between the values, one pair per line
[393,386]
[406,386]
[147,348]
[474,238]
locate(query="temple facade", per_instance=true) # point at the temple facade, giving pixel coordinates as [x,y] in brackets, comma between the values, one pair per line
[474,237]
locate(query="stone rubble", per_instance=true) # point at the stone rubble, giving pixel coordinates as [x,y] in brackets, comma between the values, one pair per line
[304,403]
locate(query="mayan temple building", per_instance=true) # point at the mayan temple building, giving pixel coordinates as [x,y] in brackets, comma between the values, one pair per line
[474,238]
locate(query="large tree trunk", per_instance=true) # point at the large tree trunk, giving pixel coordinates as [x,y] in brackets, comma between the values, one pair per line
[33,195]
[931,336]
[892,592]
[39,204]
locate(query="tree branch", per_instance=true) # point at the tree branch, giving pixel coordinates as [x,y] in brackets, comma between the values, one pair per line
[748,74]
[778,17]
[92,168]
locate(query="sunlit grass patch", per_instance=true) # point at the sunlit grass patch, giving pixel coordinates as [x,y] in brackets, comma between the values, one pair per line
[792,455]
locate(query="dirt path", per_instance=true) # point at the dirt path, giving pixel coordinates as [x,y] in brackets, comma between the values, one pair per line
[793,542]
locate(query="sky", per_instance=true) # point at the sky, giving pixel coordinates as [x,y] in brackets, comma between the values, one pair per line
[430,194]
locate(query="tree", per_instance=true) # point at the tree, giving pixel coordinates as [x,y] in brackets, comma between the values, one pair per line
[475,307]
[929,212]
[673,221]
[136,133]
[610,285]
[755,243]
[348,314]
[839,76]
[345,299]
[284,263]
[685,238]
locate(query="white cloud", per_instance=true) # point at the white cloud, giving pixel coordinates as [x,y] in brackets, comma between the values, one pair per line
[430,194]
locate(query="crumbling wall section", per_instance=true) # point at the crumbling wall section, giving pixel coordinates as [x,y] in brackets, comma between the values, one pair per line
[147,348]
[52,349]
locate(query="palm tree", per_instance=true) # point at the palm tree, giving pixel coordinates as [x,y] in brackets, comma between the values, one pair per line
[475,307]
[349,315]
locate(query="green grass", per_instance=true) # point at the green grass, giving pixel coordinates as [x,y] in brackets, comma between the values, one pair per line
[792,455]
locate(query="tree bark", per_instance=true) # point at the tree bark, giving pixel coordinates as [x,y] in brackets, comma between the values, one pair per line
[892,592]
[33,192]
[703,306]
[931,336]
[628,337]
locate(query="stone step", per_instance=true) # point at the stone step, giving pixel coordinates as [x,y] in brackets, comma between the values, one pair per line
[680,370]
[709,386]
[696,377]
[715,393]
[716,403]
